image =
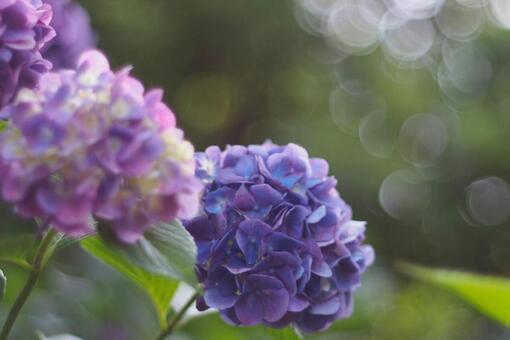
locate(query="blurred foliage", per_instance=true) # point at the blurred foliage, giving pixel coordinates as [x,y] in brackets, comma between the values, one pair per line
[157,263]
[489,294]
[243,71]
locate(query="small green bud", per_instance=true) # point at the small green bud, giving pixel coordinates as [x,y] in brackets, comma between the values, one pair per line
[3,285]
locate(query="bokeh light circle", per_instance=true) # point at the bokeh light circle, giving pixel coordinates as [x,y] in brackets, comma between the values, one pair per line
[404,194]
[488,201]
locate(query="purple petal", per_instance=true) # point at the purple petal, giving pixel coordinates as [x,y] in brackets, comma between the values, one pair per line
[335,252]
[320,167]
[286,276]
[230,317]
[19,40]
[221,289]
[14,186]
[304,273]
[276,304]
[295,219]
[259,282]
[236,264]
[215,298]
[246,166]
[328,307]
[74,210]
[243,199]
[298,304]
[201,305]
[232,155]
[47,198]
[347,307]
[351,230]
[346,274]
[265,195]
[281,242]
[6,3]
[322,269]
[368,255]
[76,230]
[277,259]
[249,310]
[314,323]
[285,321]
[201,229]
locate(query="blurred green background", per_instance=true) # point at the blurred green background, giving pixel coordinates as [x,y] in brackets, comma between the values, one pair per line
[421,153]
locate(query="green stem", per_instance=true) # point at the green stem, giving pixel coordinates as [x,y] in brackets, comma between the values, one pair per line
[37,267]
[176,319]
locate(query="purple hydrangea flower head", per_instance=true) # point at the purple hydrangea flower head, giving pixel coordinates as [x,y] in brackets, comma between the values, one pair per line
[74,34]
[276,243]
[92,145]
[24,29]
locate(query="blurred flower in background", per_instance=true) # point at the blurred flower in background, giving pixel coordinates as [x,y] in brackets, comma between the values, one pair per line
[74,34]
[24,31]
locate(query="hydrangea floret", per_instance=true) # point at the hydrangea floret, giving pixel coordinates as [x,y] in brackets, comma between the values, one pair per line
[276,243]
[74,34]
[90,145]
[24,29]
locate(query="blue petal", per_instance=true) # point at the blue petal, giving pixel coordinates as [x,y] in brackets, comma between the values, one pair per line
[217,201]
[317,215]
[250,236]
[246,166]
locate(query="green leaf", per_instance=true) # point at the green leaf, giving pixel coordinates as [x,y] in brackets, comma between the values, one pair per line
[162,258]
[17,249]
[3,285]
[283,334]
[489,294]
[168,249]
[3,125]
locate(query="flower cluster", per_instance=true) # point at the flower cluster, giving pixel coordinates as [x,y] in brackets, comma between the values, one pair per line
[276,243]
[24,30]
[74,33]
[90,144]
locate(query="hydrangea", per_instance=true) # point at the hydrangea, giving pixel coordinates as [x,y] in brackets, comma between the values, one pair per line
[276,243]
[74,34]
[24,29]
[91,145]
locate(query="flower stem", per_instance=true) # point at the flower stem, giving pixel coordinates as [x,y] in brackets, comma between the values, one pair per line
[36,269]
[176,319]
